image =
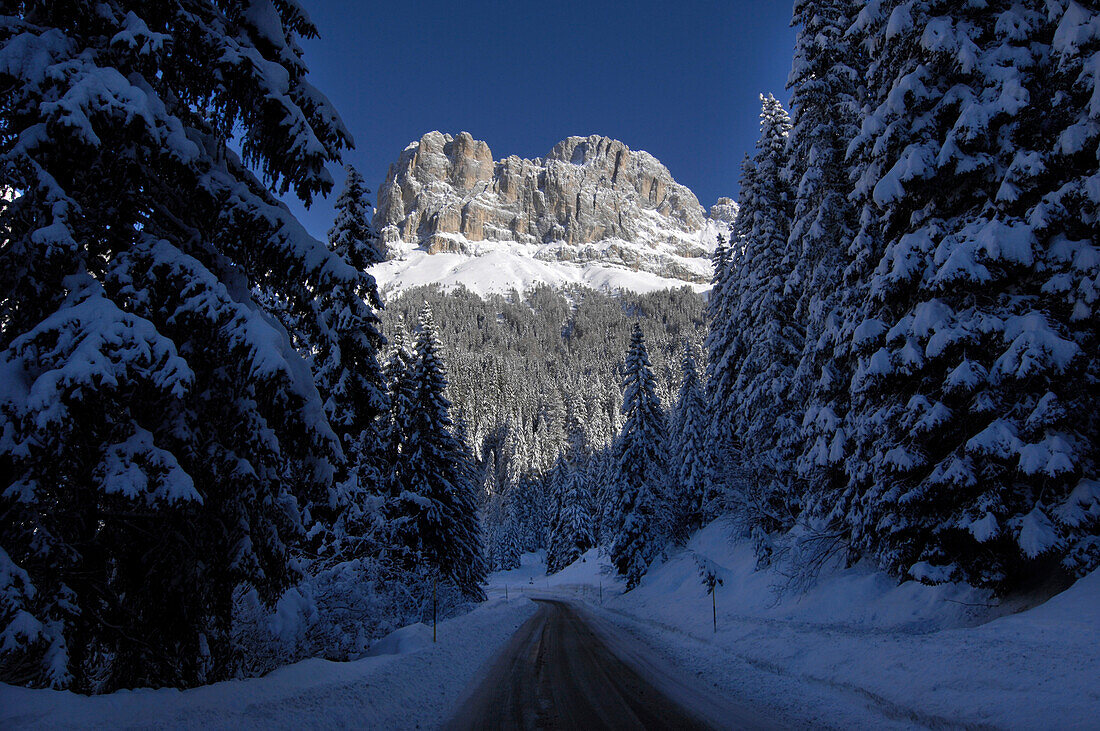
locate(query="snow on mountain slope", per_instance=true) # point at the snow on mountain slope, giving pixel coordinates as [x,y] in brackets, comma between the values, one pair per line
[592,212]
[502,266]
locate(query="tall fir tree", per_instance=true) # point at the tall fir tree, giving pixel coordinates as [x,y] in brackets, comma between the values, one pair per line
[826,90]
[511,546]
[433,499]
[720,342]
[351,382]
[351,235]
[573,532]
[159,431]
[641,470]
[977,396]
[691,498]
[755,369]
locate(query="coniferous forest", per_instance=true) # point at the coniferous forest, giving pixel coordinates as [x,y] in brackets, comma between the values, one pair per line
[209,418]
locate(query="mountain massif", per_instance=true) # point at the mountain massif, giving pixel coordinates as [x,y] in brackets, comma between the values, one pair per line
[591,212]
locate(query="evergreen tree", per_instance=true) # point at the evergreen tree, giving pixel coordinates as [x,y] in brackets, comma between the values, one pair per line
[397,372]
[640,468]
[978,398]
[158,431]
[572,532]
[691,497]
[556,549]
[489,487]
[759,351]
[349,376]
[720,344]
[511,546]
[433,501]
[351,235]
[825,81]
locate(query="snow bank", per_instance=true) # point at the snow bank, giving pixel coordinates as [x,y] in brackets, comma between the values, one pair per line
[414,685]
[403,641]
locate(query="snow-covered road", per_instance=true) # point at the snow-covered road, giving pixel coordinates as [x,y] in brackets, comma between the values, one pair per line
[854,651]
[566,669]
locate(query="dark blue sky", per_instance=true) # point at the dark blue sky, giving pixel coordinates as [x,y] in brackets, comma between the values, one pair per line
[678,78]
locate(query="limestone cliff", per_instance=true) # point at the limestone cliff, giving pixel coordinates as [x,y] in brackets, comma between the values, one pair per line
[590,200]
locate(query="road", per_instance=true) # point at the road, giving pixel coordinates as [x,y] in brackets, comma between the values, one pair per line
[564,669]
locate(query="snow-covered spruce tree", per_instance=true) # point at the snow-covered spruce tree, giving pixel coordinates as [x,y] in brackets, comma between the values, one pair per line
[158,429]
[756,368]
[433,498]
[503,531]
[525,492]
[511,545]
[1067,217]
[550,437]
[351,383]
[825,89]
[467,542]
[691,493]
[640,471]
[721,340]
[396,371]
[492,478]
[554,482]
[572,532]
[351,235]
[978,404]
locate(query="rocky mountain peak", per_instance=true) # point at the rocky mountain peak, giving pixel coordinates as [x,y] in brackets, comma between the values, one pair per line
[724,211]
[586,190]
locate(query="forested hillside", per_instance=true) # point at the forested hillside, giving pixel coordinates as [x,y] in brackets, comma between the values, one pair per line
[535,379]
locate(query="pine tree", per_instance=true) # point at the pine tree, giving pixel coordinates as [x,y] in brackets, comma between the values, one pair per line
[977,401]
[692,494]
[721,341]
[467,542]
[159,431]
[758,349]
[556,548]
[511,547]
[350,379]
[351,235]
[572,531]
[825,87]
[433,499]
[397,372]
[640,468]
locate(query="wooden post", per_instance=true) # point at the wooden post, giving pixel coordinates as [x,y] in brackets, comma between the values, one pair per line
[505,592]
[435,580]
[714,608]
[601,592]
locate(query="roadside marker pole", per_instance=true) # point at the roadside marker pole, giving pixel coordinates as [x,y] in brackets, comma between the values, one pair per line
[714,608]
[435,580]
[505,592]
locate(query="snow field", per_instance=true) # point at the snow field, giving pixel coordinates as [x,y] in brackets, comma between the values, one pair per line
[417,688]
[501,266]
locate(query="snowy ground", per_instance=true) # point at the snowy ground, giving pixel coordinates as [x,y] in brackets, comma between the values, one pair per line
[417,688]
[857,650]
